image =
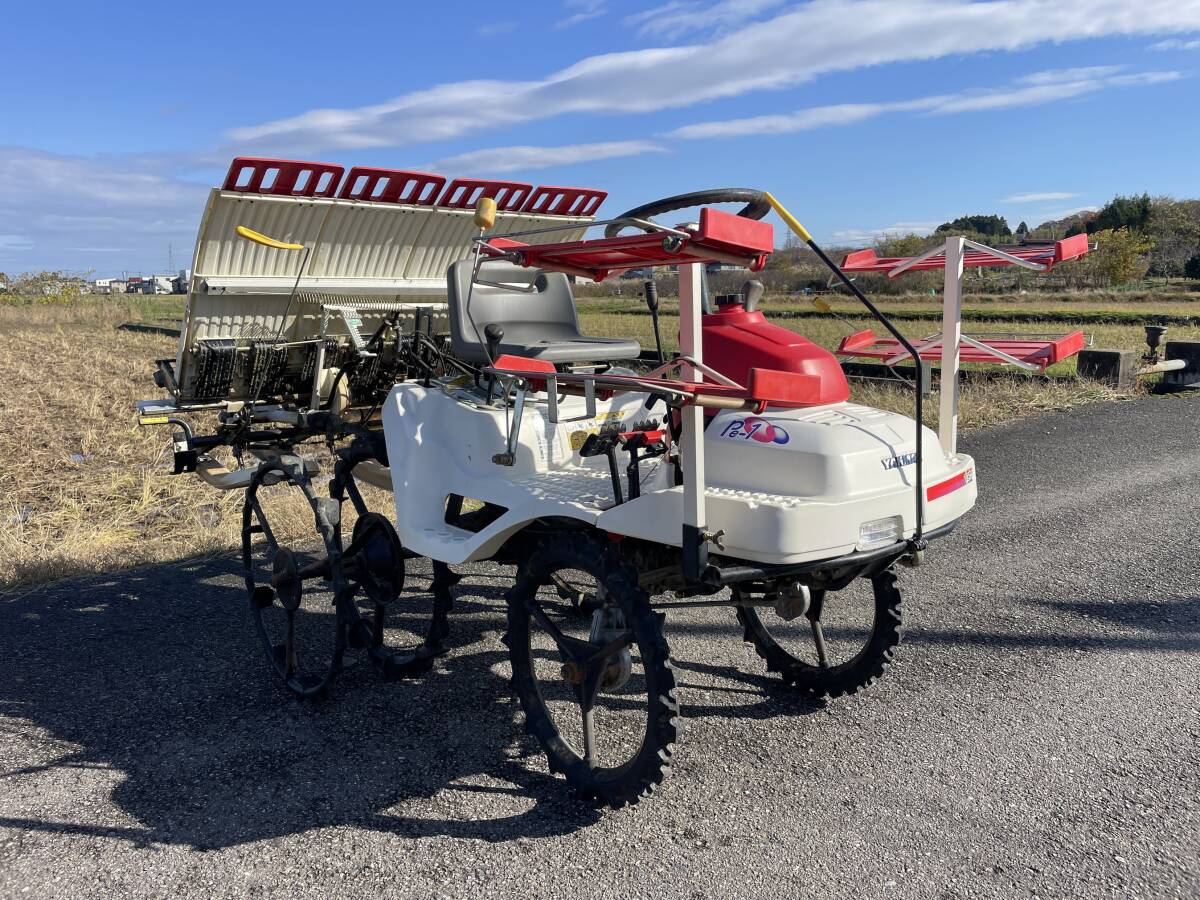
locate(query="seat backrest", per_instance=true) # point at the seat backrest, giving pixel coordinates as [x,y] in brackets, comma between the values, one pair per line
[547,310]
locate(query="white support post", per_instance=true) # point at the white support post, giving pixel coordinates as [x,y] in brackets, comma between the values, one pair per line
[692,441]
[951,337]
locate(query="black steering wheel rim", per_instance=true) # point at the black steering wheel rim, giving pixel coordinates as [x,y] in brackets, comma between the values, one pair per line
[756,206]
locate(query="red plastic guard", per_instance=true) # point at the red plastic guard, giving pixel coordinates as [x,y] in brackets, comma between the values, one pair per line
[391,186]
[282,177]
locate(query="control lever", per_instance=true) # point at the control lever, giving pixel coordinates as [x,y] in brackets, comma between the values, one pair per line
[652,304]
[752,294]
[653,442]
[493,334]
[604,443]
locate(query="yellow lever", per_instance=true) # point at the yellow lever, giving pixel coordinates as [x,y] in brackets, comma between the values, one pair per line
[251,235]
[485,213]
[788,218]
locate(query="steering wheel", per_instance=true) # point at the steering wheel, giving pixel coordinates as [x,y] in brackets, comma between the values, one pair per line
[756,205]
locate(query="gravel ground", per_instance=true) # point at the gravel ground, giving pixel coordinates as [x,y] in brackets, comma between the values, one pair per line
[1037,738]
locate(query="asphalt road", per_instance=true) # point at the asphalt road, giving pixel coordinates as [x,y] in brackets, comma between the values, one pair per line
[1039,736]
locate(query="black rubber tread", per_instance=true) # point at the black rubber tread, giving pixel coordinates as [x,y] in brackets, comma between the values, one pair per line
[638,777]
[859,672]
[305,690]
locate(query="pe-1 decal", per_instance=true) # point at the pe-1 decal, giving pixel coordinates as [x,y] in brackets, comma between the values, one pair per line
[898,462]
[752,428]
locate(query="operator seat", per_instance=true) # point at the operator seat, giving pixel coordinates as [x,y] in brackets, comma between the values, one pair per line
[541,323]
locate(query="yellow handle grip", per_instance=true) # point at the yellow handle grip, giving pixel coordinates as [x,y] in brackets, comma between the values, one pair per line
[788,219]
[485,213]
[250,235]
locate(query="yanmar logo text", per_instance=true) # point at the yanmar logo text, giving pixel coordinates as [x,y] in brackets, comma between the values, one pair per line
[899,462]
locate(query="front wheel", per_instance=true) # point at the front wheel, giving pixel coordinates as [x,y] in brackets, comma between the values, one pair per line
[842,644]
[597,689]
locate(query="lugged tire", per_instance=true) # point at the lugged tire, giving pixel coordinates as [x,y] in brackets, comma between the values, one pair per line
[639,776]
[859,672]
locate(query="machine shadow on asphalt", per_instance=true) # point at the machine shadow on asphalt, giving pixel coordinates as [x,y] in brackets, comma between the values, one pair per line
[140,676]
[152,683]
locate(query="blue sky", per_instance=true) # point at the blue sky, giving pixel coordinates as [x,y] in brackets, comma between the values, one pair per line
[864,116]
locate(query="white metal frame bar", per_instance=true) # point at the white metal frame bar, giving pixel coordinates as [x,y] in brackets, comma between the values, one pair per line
[692,438]
[952,339]
[951,336]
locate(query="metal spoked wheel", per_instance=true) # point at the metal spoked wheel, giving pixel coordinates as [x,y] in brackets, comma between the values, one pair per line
[843,643]
[403,630]
[294,590]
[597,689]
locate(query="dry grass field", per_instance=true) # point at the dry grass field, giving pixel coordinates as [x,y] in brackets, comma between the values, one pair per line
[84,489]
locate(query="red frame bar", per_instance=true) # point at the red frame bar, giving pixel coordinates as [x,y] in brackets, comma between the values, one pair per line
[1048,255]
[464,193]
[1041,352]
[548,200]
[288,173]
[721,235]
[399,186]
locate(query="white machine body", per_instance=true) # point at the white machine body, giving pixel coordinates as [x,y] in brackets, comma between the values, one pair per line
[787,486]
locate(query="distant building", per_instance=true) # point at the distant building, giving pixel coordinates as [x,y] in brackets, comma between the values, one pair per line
[157,284]
[182,282]
[108,286]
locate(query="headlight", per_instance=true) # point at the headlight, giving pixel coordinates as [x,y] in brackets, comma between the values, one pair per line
[880,533]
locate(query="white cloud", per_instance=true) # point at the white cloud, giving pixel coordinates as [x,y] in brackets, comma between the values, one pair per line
[495,29]
[1043,87]
[1081,73]
[1037,197]
[522,159]
[796,46]
[584,10]
[870,235]
[1176,44]
[14,242]
[56,205]
[1049,214]
[681,16]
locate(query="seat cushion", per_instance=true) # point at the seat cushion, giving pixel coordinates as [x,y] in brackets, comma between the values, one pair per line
[561,351]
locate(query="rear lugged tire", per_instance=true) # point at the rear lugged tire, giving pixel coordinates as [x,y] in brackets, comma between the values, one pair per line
[843,678]
[640,683]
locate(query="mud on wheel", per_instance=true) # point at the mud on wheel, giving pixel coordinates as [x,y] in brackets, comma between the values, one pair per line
[843,643]
[594,678]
